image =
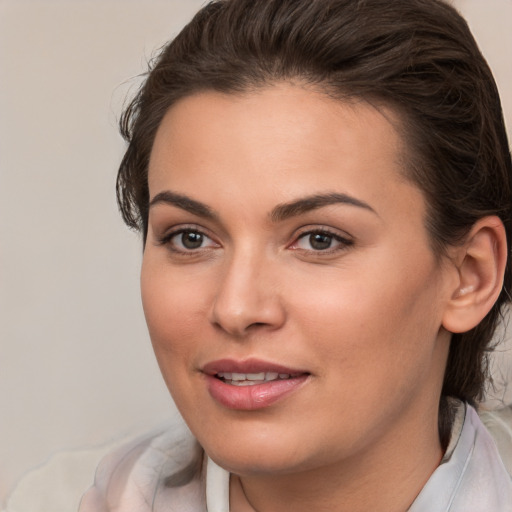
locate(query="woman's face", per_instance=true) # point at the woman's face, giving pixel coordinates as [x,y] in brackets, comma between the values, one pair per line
[292,297]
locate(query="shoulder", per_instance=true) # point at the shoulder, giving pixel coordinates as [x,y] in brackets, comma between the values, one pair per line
[163,468]
[58,484]
[483,482]
[499,424]
[472,475]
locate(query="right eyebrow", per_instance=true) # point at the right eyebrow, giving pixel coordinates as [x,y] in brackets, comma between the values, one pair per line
[184,203]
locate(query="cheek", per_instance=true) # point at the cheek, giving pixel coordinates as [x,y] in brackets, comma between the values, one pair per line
[171,308]
[175,320]
[373,320]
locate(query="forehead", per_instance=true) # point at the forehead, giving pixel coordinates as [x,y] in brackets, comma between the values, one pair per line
[278,127]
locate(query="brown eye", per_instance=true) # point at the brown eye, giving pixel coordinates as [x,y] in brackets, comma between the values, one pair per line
[191,239]
[188,240]
[320,241]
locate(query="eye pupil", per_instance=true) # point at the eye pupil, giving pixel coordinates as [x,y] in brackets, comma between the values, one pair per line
[191,239]
[320,241]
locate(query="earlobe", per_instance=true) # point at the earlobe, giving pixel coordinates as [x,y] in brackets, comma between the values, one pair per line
[481,264]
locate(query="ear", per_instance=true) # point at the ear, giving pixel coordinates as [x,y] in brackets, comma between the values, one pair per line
[481,264]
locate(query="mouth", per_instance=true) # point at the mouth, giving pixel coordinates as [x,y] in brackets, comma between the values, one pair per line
[251,384]
[252,379]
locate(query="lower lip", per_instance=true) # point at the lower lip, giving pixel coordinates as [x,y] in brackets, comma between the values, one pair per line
[257,396]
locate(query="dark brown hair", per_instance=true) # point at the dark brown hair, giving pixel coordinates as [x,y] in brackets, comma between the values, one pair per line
[416,56]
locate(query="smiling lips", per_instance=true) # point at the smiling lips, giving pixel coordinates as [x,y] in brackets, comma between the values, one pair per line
[251,384]
[251,379]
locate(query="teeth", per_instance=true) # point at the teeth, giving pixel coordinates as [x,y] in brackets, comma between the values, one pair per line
[255,376]
[249,379]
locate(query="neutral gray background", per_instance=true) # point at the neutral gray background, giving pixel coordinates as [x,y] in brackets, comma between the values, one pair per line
[76,367]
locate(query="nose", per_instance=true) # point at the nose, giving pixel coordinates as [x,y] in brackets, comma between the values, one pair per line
[247,297]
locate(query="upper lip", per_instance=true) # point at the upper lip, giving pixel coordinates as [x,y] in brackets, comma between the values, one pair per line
[248,366]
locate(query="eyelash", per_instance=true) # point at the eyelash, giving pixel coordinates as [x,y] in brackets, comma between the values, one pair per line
[167,240]
[344,243]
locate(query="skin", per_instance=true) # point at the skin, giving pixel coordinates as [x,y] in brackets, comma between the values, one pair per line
[363,317]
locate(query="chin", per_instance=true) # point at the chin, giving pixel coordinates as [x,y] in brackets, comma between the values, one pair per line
[263,464]
[247,456]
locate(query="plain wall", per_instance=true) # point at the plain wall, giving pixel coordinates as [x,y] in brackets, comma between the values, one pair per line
[76,366]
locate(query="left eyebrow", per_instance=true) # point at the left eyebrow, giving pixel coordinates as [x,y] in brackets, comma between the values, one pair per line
[286,210]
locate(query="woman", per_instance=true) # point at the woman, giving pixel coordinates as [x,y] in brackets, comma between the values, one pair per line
[324,190]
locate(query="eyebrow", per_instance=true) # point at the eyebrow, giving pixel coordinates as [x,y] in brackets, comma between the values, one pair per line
[183,202]
[279,213]
[306,204]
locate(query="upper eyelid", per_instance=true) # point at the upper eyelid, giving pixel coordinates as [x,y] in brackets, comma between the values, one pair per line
[180,227]
[323,229]
[165,225]
[345,240]
[169,233]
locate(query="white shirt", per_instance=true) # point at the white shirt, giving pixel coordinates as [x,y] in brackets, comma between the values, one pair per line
[472,476]
[165,472]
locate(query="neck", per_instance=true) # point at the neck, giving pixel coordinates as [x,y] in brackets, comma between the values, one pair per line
[386,476]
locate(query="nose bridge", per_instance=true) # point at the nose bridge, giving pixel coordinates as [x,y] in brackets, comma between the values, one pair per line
[246,296]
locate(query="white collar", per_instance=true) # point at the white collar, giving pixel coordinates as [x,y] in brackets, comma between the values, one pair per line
[217,487]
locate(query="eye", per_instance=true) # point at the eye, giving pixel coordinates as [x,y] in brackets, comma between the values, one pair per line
[187,240]
[321,240]
[316,241]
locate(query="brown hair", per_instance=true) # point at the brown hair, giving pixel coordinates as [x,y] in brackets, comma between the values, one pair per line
[416,56]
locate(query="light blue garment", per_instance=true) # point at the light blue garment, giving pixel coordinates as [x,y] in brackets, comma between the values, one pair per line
[471,478]
[166,471]
[163,472]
